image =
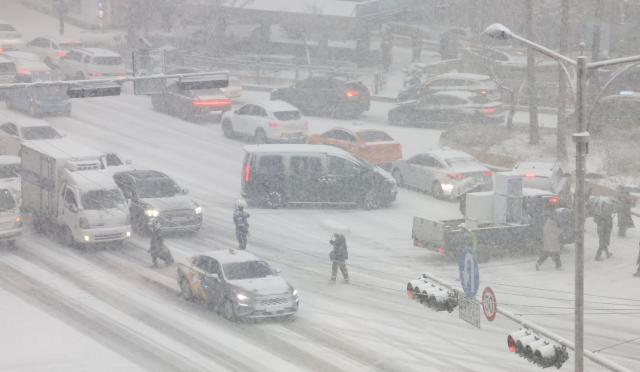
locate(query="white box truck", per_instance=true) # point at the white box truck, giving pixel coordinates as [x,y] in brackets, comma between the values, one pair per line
[67,191]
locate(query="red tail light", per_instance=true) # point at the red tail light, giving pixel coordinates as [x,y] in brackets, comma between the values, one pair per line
[410,294]
[456,176]
[487,173]
[352,93]
[441,250]
[1,50]
[530,175]
[61,53]
[275,125]
[553,201]
[488,111]
[212,103]
[96,73]
[247,173]
[24,71]
[511,344]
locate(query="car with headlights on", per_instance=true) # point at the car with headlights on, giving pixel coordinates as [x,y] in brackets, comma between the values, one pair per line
[443,173]
[238,285]
[154,196]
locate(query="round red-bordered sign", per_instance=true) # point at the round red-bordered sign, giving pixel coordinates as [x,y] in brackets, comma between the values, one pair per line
[489,304]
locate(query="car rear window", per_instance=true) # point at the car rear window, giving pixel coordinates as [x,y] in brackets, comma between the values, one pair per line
[9,171]
[457,161]
[271,164]
[107,60]
[7,67]
[35,133]
[374,136]
[70,45]
[6,27]
[50,91]
[287,115]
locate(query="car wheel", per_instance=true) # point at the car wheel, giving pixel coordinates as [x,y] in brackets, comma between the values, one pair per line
[370,200]
[185,289]
[397,175]
[273,200]
[67,237]
[260,137]
[227,129]
[436,190]
[229,310]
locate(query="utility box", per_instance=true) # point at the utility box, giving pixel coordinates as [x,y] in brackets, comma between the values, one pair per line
[508,184]
[508,210]
[479,206]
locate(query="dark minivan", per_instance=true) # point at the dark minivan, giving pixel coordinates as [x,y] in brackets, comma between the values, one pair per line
[277,175]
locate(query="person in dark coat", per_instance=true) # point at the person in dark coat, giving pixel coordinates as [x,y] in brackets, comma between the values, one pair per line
[551,242]
[338,256]
[625,203]
[241,220]
[157,248]
[605,225]
[637,274]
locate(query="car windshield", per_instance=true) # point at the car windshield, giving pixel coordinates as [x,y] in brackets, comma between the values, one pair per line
[102,199]
[9,171]
[374,136]
[36,133]
[452,162]
[6,200]
[107,60]
[287,115]
[246,270]
[157,188]
[6,27]
[70,45]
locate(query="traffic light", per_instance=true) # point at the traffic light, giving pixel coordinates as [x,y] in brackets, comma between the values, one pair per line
[432,295]
[97,89]
[536,349]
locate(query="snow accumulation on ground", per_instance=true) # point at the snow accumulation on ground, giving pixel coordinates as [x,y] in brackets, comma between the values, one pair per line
[64,309]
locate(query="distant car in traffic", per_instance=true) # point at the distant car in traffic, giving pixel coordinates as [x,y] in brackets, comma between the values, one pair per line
[278,175]
[39,100]
[442,173]
[269,121]
[238,285]
[52,50]
[14,130]
[374,146]
[29,67]
[91,63]
[154,196]
[477,83]
[448,108]
[326,95]
[10,38]
[548,176]
[234,89]
[190,104]
[8,71]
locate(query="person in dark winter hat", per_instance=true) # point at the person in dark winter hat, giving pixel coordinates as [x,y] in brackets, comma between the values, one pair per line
[338,257]
[157,248]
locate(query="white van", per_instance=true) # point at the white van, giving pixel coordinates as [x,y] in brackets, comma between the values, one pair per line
[91,63]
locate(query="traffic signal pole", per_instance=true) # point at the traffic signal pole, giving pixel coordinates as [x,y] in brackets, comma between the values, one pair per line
[604,362]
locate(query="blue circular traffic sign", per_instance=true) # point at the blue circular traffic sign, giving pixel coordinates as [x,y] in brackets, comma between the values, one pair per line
[469,274]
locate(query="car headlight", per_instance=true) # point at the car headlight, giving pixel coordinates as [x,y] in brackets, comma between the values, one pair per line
[294,293]
[152,212]
[198,209]
[242,297]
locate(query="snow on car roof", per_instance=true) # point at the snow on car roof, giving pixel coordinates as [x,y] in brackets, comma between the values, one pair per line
[63,148]
[457,93]
[278,105]
[324,149]
[100,52]
[9,159]
[223,256]
[462,75]
[92,179]
[21,121]
[448,154]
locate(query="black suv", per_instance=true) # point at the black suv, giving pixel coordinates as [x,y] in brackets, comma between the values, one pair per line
[154,196]
[326,95]
[277,175]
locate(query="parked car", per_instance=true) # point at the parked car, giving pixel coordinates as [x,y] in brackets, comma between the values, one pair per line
[238,285]
[14,130]
[91,63]
[29,67]
[476,83]
[8,71]
[374,146]
[547,176]
[154,196]
[277,175]
[327,95]
[448,108]
[39,100]
[234,89]
[52,50]
[441,172]
[270,121]
[190,104]
[10,38]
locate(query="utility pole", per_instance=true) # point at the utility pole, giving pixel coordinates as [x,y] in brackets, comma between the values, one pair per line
[534,135]
[561,145]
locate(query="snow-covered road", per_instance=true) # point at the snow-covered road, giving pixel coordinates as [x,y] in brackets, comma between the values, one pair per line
[132,314]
